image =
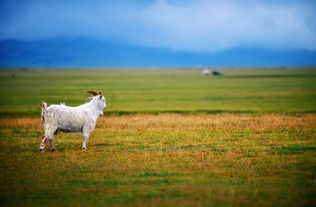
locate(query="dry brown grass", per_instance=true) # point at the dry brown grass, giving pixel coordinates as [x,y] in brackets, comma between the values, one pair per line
[165,160]
[168,121]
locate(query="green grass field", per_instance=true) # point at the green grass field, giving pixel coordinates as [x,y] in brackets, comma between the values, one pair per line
[157,91]
[168,137]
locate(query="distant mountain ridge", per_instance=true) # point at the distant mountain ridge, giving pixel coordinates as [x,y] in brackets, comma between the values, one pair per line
[84,52]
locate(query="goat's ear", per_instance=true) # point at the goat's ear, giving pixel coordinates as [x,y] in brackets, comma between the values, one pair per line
[89,99]
[100,93]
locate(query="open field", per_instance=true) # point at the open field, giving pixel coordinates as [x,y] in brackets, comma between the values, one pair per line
[162,91]
[168,137]
[164,160]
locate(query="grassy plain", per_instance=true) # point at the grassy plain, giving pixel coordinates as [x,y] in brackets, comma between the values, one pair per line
[168,137]
[162,91]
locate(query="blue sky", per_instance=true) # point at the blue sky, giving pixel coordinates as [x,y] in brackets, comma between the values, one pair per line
[197,26]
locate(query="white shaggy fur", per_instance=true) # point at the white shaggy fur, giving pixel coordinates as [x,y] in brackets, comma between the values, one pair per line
[64,118]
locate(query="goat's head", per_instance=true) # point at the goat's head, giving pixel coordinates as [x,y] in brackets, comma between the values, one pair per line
[98,100]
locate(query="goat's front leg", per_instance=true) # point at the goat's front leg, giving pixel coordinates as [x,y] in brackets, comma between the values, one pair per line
[84,141]
[43,142]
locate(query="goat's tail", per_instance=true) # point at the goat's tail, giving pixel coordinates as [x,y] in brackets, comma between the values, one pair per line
[43,108]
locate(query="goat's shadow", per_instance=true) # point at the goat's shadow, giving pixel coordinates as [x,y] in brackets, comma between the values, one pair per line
[72,147]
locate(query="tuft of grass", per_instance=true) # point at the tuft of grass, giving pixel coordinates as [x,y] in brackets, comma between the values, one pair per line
[149,173]
[295,149]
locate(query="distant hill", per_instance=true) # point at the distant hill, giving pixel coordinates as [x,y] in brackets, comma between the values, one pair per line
[83,52]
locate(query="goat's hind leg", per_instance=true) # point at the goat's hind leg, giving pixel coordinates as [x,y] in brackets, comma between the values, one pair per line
[43,142]
[51,143]
[49,134]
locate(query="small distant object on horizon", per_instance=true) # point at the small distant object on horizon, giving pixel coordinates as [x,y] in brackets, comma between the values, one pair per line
[24,68]
[216,72]
[206,72]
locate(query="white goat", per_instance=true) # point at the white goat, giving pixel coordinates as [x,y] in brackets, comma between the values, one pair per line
[63,118]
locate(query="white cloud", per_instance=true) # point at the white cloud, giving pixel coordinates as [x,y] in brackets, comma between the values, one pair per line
[188,25]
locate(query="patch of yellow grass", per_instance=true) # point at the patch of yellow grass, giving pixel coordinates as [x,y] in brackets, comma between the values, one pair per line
[167,121]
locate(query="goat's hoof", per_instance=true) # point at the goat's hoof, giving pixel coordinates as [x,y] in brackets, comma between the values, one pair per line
[42,150]
[84,148]
[53,150]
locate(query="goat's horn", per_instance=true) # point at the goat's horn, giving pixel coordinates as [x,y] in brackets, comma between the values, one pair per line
[91,92]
